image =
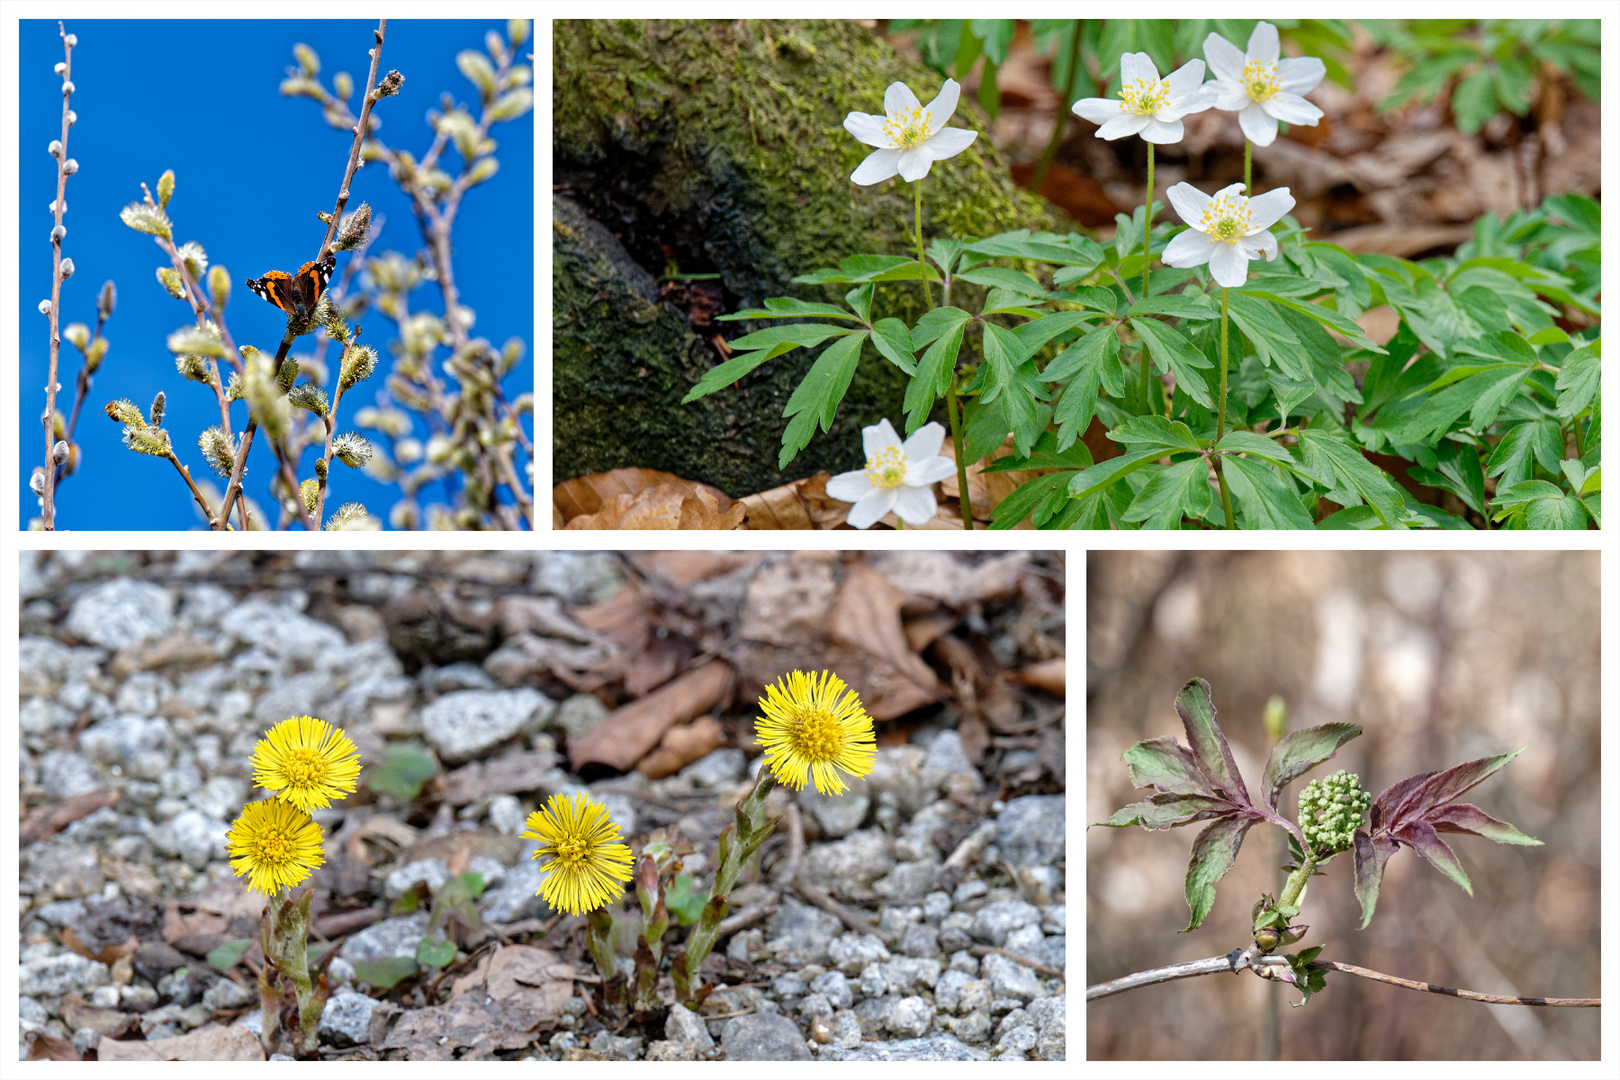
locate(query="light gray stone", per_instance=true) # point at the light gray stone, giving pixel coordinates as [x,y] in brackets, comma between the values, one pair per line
[1052,951]
[398,936]
[1048,1013]
[62,870]
[577,576]
[948,989]
[799,934]
[432,871]
[226,994]
[849,865]
[1052,919]
[1024,939]
[976,996]
[946,759]
[118,739]
[685,1026]
[469,723]
[936,905]
[578,714]
[196,838]
[122,612]
[995,921]
[506,815]
[909,1017]
[763,1037]
[1030,830]
[282,632]
[853,952]
[1008,978]
[64,973]
[838,815]
[920,940]
[934,1048]
[835,986]
[515,898]
[346,1020]
[220,797]
[974,1027]
[65,774]
[908,882]
[717,769]
[1016,1044]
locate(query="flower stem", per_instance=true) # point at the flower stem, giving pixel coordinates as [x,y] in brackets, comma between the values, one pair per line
[599,940]
[1147,242]
[1220,420]
[1050,153]
[1296,882]
[961,458]
[1248,175]
[928,300]
[738,843]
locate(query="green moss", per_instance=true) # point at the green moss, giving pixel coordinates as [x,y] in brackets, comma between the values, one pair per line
[720,145]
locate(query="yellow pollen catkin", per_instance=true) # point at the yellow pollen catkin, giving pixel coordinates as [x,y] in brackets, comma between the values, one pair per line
[1226,218]
[1144,96]
[908,127]
[886,468]
[1260,80]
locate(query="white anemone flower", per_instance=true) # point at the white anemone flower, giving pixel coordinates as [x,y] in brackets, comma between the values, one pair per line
[898,476]
[1261,88]
[1227,230]
[1148,105]
[910,138]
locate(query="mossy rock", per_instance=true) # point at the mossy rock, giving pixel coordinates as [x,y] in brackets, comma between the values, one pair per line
[718,148]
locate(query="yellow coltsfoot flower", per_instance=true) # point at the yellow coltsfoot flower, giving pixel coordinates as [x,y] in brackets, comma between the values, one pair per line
[306,762]
[274,845]
[812,728]
[585,864]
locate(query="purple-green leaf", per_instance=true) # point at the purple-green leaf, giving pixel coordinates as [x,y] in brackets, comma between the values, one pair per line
[1213,756]
[1298,753]
[1427,843]
[1168,810]
[1212,856]
[1442,787]
[1468,818]
[1165,764]
[1371,854]
[1388,800]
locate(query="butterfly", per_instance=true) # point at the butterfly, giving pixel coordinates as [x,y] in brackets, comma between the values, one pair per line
[296,294]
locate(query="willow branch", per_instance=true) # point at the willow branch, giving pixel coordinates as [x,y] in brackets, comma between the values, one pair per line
[1231,962]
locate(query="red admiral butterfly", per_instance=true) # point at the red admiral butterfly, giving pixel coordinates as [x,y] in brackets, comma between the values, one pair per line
[296,294]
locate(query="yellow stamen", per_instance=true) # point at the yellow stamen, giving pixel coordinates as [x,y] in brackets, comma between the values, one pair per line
[1260,80]
[908,127]
[887,467]
[1226,218]
[1144,96]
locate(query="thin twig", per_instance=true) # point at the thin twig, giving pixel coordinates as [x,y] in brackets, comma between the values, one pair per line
[849,917]
[1213,964]
[749,916]
[48,493]
[982,950]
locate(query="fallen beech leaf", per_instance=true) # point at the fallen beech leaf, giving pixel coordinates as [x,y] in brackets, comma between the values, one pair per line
[866,615]
[496,1006]
[507,775]
[1048,675]
[230,1042]
[480,843]
[779,508]
[627,734]
[931,578]
[684,569]
[179,924]
[78,1013]
[825,511]
[52,818]
[384,831]
[50,1048]
[788,600]
[107,954]
[644,499]
[681,746]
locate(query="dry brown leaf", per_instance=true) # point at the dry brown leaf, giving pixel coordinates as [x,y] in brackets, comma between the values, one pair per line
[108,954]
[656,665]
[52,818]
[931,578]
[50,1048]
[780,507]
[628,733]
[788,600]
[480,844]
[384,831]
[921,633]
[498,1005]
[1048,675]
[507,775]
[684,569]
[179,925]
[986,490]
[231,898]
[114,1024]
[230,1042]
[681,746]
[867,616]
[644,499]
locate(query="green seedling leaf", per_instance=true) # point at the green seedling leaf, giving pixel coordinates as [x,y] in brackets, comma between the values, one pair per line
[225,957]
[403,774]
[456,901]
[684,901]
[435,954]
[387,973]
[1212,856]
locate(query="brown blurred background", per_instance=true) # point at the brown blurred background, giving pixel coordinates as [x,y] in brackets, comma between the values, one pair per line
[1442,657]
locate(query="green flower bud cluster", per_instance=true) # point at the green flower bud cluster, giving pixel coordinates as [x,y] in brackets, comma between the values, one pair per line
[1330,811]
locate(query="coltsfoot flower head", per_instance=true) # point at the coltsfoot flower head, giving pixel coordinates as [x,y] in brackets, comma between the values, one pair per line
[1259,86]
[1148,105]
[909,138]
[1227,230]
[585,864]
[274,844]
[898,476]
[306,762]
[814,727]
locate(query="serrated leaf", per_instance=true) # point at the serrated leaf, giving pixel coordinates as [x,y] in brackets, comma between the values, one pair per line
[1273,341]
[934,372]
[1179,305]
[935,323]
[1298,752]
[1212,856]
[827,380]
[1210,753]
[1004,278]
[1371,855]
[1261,499]
[1174,353]
[1171,493]
[891,338]
[1515,456]
[1468,818]
[1368,482]
[798,335]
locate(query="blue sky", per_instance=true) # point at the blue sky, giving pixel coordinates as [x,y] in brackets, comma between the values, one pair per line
[252,169]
